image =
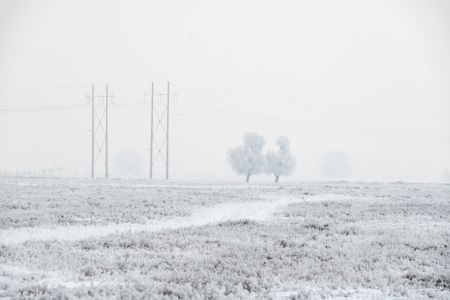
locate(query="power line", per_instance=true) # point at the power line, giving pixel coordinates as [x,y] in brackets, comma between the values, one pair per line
[304,107]
[265,118]
[303,123]
[43,88]
[57,87]
[299,109]
[233,117]
[242,98]
[269,127]
[43,108]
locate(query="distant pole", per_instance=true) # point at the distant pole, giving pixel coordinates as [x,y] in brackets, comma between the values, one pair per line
[167,132]
[151,135]
[159,127]
[100,142]
[92,132]
[106,133]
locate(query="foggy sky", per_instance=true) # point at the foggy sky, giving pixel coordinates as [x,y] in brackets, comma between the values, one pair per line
[370,78]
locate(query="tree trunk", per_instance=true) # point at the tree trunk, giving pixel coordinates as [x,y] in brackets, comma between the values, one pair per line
[247,178]
[276,178]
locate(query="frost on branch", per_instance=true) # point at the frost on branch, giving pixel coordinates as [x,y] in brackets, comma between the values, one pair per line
[247,159]
[282,161]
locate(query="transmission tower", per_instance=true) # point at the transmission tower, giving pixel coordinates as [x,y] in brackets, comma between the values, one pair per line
[159,128]
[99,128]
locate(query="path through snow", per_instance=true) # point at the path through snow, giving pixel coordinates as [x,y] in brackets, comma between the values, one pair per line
[257,211]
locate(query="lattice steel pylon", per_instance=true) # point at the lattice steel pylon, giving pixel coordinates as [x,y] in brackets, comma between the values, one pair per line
[99,128]
[159,112]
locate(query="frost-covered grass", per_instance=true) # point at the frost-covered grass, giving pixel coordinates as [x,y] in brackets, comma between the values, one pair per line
[75,201]
[329,240]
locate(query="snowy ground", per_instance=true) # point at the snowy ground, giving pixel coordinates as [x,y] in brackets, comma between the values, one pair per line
[109,239]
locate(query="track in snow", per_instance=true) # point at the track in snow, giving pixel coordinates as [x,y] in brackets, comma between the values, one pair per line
[257,211]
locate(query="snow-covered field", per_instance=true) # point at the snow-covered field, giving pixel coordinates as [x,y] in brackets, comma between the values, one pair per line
[135,239]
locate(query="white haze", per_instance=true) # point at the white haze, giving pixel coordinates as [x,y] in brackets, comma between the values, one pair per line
[369,78]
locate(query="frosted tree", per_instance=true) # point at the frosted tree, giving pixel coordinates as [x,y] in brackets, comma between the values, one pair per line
[247,159]
[280,162]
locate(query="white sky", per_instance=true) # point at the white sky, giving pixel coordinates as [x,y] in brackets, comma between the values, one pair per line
[368,77]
